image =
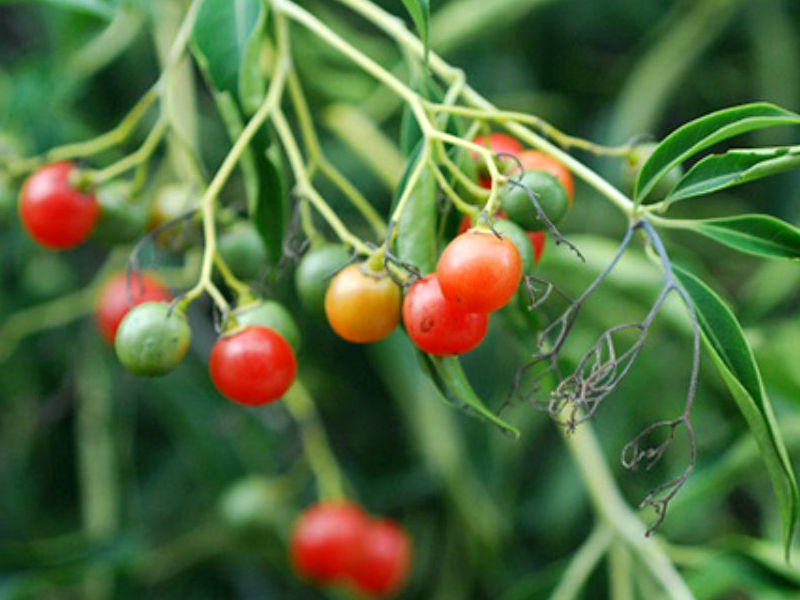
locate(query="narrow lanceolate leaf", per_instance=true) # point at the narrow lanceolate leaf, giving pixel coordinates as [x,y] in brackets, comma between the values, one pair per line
[416,228]
[735,167]
[252,80]
[733,357]
[221,35]
[449,377]
[761,235]
[704,132]
[97,8]
[420,11]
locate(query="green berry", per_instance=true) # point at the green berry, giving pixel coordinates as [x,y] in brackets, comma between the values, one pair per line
[243,251]
[273,315]
[520,239]
[152,339]
[314,274]
[550,194]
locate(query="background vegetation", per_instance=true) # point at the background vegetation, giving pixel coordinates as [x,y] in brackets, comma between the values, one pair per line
[118,486]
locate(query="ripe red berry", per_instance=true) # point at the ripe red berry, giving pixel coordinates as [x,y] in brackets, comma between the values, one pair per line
[538,240]
[438,327]
[117,297]
[499,143]
[252,366]
[479,272]
[54,213]
[326,541]
[384,562]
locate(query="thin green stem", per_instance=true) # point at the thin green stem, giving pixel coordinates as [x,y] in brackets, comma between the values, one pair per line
[321,459]
[58,312]
[86,148]
[131,161]
[208,201]
[306,190]
[564,140]
[396,29]
[620,573]
[611,508]
[583,563]
[317,158]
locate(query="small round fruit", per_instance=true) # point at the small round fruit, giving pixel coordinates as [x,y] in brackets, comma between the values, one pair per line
[385,560]
[252,366]
[53,211]
[152,339]
[550,195]
[498,143]
[272,315]
[521,240]
[326,541]
[479,272]
[633,164]
[314,273]
[538,240]
[116,298]
[533,160]
[362,306]
[243,251]
[121,218]
[437,327]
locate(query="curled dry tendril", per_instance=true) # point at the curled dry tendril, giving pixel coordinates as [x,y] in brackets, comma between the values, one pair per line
[573,398]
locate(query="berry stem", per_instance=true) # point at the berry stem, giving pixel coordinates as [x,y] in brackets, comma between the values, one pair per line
[321,460]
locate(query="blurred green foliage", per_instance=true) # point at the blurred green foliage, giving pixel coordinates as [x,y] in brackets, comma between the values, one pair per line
[117,486]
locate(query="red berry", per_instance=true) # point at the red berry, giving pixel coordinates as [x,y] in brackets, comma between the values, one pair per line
[438,327]
[498,143]
[54,213]
[479,272]
[538,240]
[326,541]
[116,298]
[252,366]
[385,560]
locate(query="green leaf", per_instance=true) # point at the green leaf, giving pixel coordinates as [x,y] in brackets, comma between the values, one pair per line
[735,167]
[704,132]
[420,11]
[97,8]
[222,33]
[416,229]
[760,235]
[449,377]
[252,79]
[733,357]
[269,214]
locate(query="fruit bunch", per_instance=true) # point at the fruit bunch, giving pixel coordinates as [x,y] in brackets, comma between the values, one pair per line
[336,543]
